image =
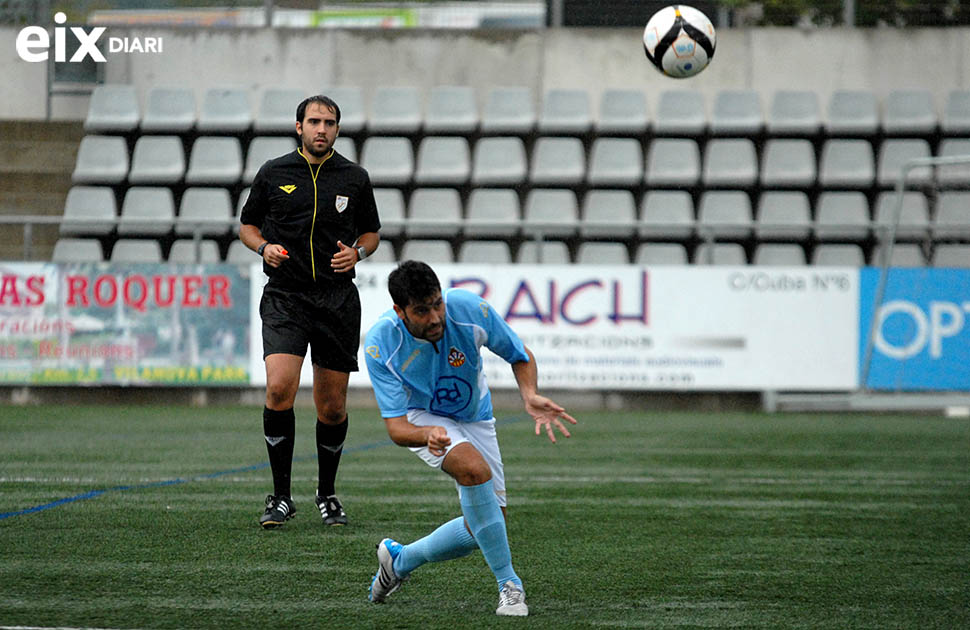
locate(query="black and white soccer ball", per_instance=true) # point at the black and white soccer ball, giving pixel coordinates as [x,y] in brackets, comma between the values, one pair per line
[679,40]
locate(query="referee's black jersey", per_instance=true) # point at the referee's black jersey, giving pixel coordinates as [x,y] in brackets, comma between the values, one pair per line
[307,208]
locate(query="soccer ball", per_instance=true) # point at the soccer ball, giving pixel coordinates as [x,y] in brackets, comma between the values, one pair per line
[679,40]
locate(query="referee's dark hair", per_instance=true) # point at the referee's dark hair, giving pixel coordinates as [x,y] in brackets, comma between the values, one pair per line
[412,281]
[326,101]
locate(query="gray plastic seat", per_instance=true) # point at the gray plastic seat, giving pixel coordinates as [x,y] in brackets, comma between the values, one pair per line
[909,113]
[737,113]
[262,149]
[395,111]
[443,160]
[720,254]
[434,212]
[225,110]
[789,163]
[346,147]
[169,110]
[724,214]
[113,108]
[390,207]
[499,161]
[385,254]
[952,217]
[509,111]
[206,210]
[894,153]
[241,201]
[779,255]
[89,210]
[492,212]
[903,255]
[485,252]
[550,213]
[680,113]
[956,113]
[183,251]
[215,160]
[661,254]
[666,214]
[239,254]
[451,110]
[136,250]
[673,162]
[622,113]
[430,251]
[842,216]
[157,160]
[77,250]
[838,255]
[615,162]
[389,160]
[783,216]
[350,100]
[847,164]
[852,113]
[101,160]
[954,175]
[544,253]
[914,220]
[277,111]
[147,210]
[565,112]
[730,163]
[558,162]
[794,113]
[602,253]
[952,255]
[608,214]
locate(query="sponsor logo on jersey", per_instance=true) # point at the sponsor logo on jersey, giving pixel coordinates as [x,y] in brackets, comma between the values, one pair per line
[456,358]
[288,188]
[341,203]
[484,307]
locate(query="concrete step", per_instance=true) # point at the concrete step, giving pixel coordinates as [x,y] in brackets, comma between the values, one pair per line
[50,157]
[43,202]
[59,182]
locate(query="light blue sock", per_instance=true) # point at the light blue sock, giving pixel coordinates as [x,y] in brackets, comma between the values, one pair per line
[449,541]
[484,517]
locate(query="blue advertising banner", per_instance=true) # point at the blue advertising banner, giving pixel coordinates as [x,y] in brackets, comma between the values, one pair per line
[922,332]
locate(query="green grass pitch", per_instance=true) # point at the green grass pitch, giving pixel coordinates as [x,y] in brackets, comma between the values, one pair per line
[147,518]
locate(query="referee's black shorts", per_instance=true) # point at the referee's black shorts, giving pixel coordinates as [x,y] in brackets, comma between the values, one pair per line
[325,317]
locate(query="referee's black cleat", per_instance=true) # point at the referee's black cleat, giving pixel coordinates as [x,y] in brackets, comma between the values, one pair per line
[331,511]
[278,511]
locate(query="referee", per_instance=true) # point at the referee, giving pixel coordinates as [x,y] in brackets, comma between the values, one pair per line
[312,217]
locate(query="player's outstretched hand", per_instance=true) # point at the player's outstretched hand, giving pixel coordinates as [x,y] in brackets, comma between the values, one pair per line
[547,413]
[438,440]
[345,258]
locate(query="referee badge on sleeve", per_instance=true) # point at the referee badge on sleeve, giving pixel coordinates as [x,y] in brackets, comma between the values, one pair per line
[341,203]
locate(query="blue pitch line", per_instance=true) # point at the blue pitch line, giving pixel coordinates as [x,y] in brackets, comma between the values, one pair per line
[91,494]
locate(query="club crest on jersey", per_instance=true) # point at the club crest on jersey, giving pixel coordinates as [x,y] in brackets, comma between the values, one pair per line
[373,351]
[288,188]
[456,358]
[341,203]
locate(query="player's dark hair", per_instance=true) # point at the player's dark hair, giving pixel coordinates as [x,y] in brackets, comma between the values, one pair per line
[412,281]
[326,101]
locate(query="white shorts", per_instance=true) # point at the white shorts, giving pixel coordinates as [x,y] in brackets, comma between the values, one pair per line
[480,434]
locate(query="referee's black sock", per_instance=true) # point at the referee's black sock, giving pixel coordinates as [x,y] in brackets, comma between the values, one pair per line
[279,429]
[330,444]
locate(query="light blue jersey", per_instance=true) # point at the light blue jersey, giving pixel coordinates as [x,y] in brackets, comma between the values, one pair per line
[446,377]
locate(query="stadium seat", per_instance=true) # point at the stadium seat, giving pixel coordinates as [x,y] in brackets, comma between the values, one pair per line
[789,163]
[395,111]
[720,254]
[492,212]
[385,254]
[847,164]
[136,250]
[262,149]
[183,251]
[956,114]
[388,160]
[434,213]
[954,175]
[241,201]
[730,163]
[737,113]
[724,214]
[204,210]
[277,111]
[615,162]
[602,253]
[951,221]
[485,252]
[661,254]
[443,161]
[953,255]
[909,113]
[622,113]
[666,214]
[565,112]
[673,162]
[852,113]
[838,255]
[608,214]
[681,113]
[350,100]
[157,160]
[903,255]
[77,250]
[794,113]
[543,253]
[558,162]
[113,108]
[430,251]
[101,160]
[390,208]
[215,160]
[842,216]
[499,161]
[894,153]
[451,110]
[779,255]
[147,210]
[550,213]
[239,254]
[89,210]
[783,216]
[346,147]
[169,110]
[225,110]
[914,221]
[509,111]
